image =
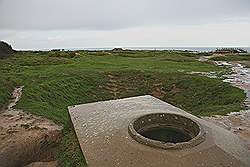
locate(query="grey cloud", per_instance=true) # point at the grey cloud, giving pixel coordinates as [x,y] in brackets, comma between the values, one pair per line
[115,14]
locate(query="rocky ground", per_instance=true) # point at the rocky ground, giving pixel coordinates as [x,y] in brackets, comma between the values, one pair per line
[26,139]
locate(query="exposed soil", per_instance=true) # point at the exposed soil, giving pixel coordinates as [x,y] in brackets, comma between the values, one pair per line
[112,86]
[26,139]
[238,123]
[158,91]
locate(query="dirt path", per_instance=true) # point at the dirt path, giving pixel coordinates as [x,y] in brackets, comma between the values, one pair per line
[26,139]
[238,122]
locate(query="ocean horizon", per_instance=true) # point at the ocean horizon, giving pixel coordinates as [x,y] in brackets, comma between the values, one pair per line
[198,49]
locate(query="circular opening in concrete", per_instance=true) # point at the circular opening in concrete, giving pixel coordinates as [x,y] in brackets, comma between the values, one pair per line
[165,130]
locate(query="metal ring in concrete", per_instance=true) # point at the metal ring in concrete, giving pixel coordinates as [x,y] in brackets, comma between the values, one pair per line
[166,131]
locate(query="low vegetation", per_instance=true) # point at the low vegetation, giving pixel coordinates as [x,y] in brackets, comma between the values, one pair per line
[242,58]
[54,80]
[236,57]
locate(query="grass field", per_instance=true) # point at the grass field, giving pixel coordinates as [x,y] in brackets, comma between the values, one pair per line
[54,80]
[242,57]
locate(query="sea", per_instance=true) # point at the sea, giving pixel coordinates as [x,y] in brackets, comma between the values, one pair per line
[197,49]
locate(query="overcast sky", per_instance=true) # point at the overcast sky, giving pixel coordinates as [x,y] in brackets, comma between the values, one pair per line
[40,24]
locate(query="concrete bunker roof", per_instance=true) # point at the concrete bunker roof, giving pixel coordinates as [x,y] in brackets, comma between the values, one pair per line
[102,131]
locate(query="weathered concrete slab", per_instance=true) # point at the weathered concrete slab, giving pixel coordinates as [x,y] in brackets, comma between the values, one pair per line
[102,130]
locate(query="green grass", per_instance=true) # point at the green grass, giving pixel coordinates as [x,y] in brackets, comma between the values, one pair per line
[242,57]
[54,80]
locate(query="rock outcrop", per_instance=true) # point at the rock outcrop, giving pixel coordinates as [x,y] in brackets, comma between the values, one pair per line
[5,49]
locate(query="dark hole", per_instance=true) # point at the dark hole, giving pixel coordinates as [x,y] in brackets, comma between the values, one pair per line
[167,135]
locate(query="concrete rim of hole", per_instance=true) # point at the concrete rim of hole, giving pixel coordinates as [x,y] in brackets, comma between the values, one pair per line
[161,120]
